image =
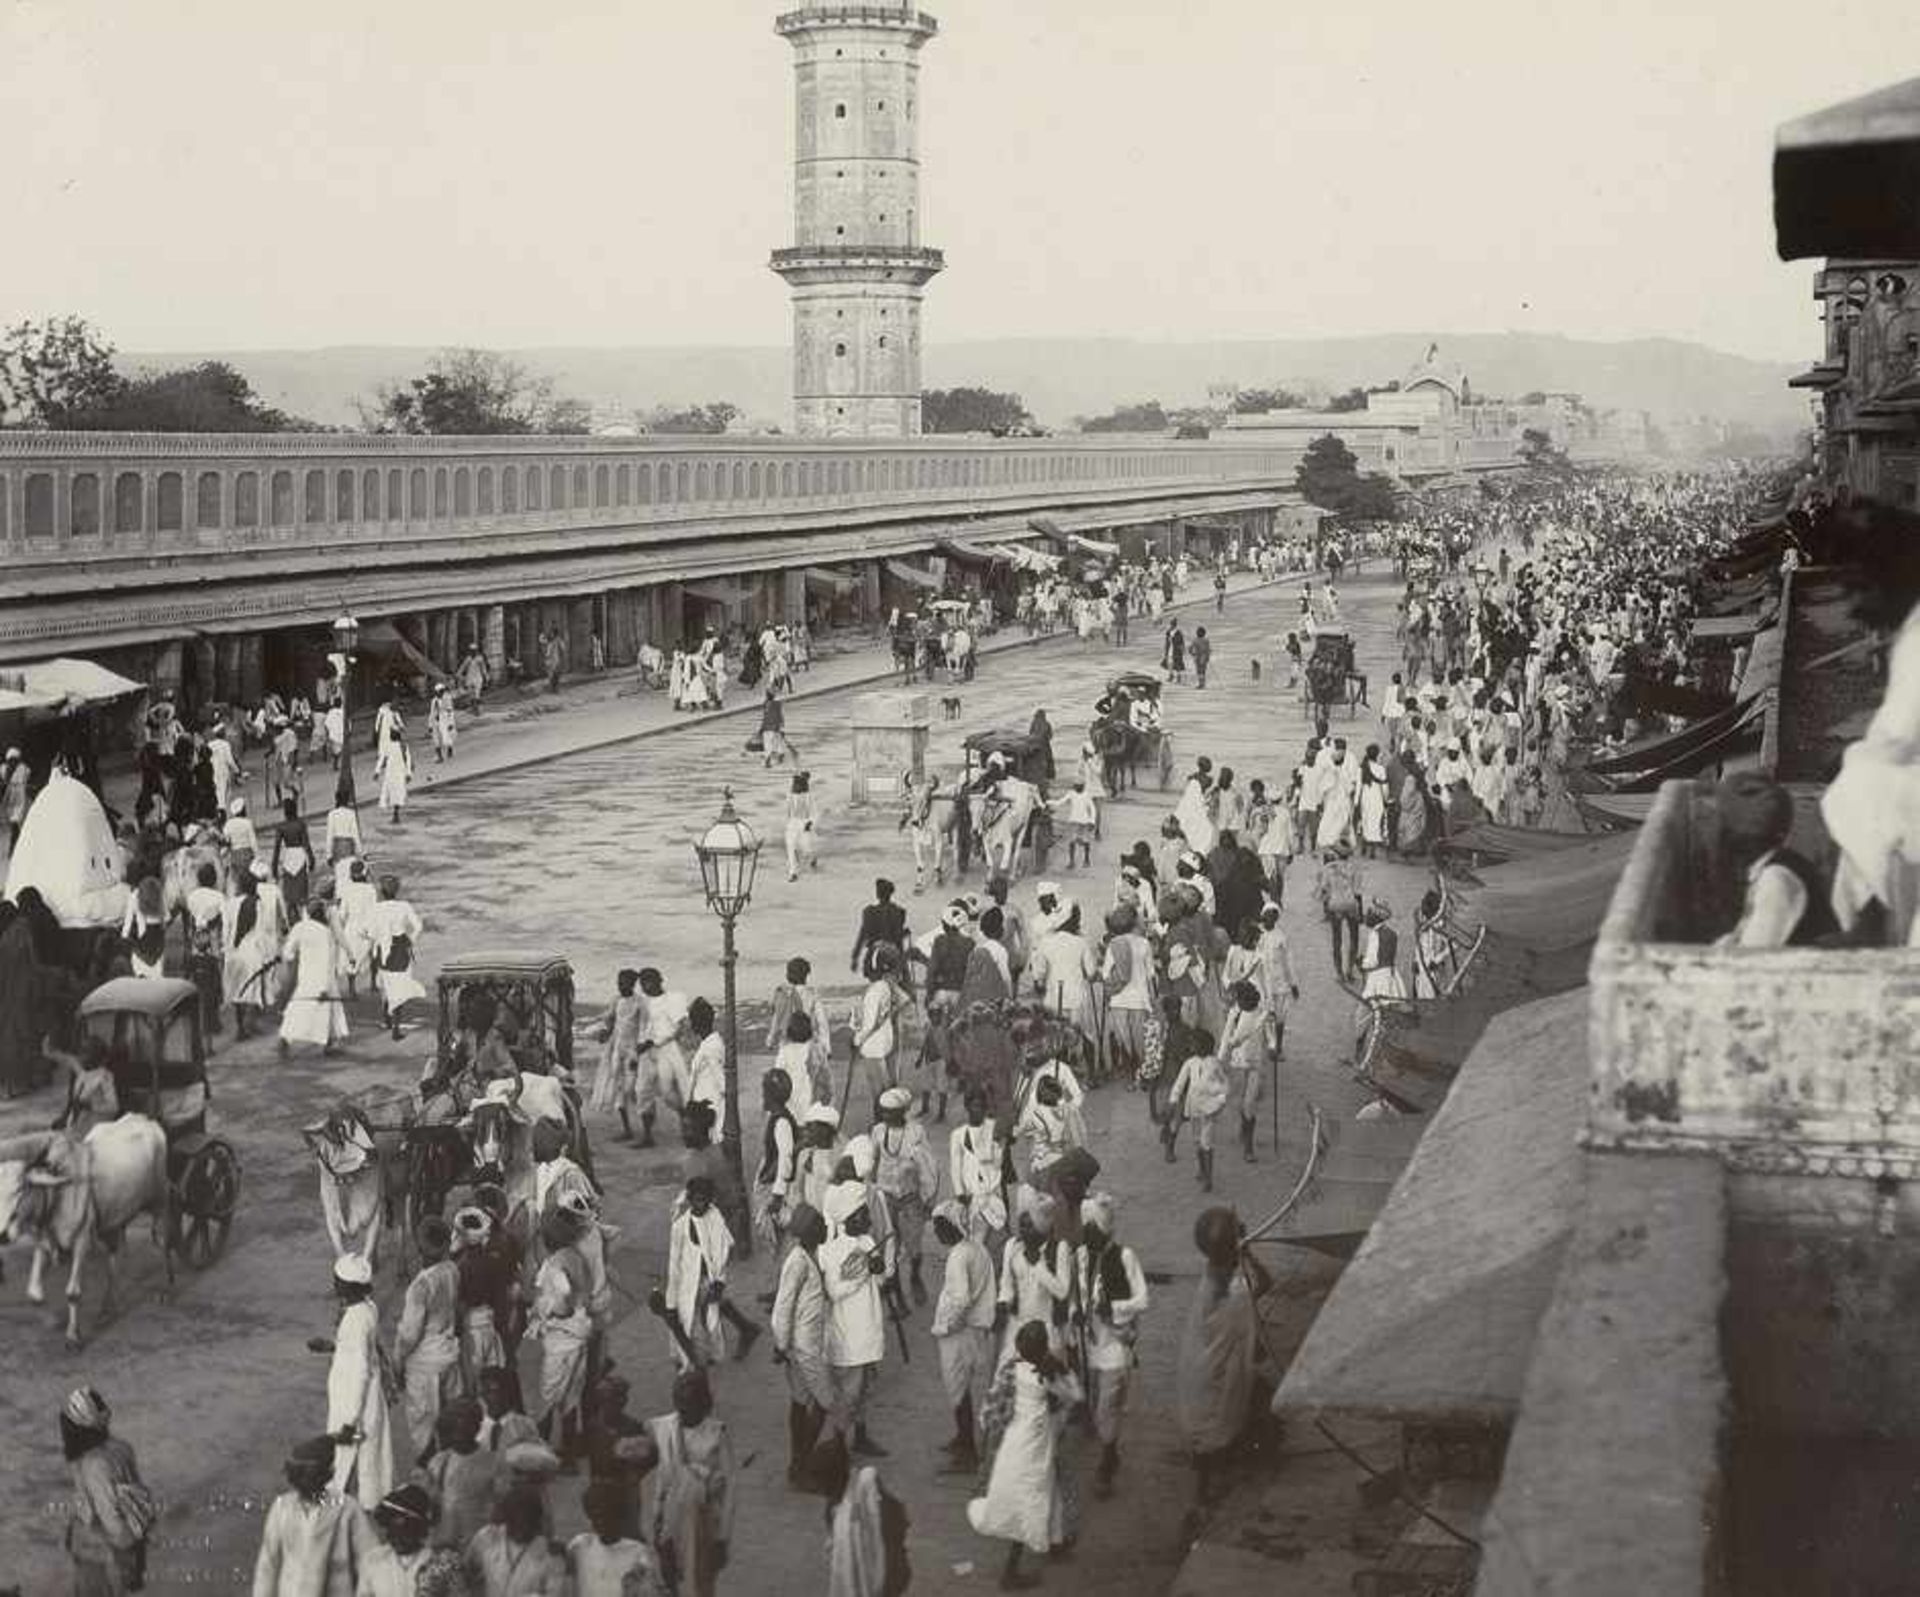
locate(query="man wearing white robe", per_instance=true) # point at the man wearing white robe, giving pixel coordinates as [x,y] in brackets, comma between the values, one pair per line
[1340,793]
[851,1268]
[314,1014]
[699,1249]
[356,1394]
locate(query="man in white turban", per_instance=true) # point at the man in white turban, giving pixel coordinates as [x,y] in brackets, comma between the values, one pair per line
[963,1320]
[814,1164]
[852,1266]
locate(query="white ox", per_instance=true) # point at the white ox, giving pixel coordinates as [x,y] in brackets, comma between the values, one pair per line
[65,1194]
[1000,818]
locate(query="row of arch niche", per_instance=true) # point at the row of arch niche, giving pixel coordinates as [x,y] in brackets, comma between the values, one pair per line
[234,498]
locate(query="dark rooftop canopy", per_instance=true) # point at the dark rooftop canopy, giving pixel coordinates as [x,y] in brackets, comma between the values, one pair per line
[1846,180]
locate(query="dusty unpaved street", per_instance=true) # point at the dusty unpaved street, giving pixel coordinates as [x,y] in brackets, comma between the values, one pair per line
[589,855]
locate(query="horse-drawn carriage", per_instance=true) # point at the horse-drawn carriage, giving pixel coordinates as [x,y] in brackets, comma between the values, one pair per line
[1331,677]
[157,1055]
[396,1156]
[1126,741]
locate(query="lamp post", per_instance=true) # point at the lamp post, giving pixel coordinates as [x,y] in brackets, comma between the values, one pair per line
[729,853]
[346,638]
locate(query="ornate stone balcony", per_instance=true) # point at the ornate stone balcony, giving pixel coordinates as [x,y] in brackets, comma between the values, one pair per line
[1781,1060]
[858,16]
[814,262]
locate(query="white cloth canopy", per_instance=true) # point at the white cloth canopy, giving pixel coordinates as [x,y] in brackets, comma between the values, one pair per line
[60,684]
[67,851]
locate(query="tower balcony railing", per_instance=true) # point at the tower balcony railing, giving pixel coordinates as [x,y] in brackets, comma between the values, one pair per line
[815,16]
[914,256]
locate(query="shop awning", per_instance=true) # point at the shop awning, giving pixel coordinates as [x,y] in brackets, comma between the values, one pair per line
[1741,626]
[1047,527]
[1666,747]
[833,581]
[717,592]
[1025,559]
[382,640]
[62,684]
[960,549]
[913,574]
[1093,546]
[1438,1316]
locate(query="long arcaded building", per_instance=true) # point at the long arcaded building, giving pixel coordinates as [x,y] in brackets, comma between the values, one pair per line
[213,564]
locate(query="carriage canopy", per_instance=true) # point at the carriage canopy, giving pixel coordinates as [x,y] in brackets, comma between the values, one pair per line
[1025,754]
[151,1029]
[534,986]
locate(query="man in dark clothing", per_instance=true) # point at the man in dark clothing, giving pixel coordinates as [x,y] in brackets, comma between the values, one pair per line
[1202,654]
[882,922]
[1239,883]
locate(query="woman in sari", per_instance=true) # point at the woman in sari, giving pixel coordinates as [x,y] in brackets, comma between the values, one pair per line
[1027,1500]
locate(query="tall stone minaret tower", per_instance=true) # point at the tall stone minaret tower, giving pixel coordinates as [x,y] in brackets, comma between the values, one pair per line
[856,266]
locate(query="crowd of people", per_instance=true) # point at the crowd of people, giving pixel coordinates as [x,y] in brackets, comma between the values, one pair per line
[980,1028]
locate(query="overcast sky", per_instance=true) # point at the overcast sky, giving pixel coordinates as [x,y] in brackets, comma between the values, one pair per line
[234,174]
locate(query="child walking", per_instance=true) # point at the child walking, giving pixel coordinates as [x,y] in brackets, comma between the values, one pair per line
[1080,817]
[1199,1093]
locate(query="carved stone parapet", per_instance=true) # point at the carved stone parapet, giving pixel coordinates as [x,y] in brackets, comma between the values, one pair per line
[1790,1060]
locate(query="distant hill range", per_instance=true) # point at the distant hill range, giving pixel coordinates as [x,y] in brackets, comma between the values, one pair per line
[1062,378]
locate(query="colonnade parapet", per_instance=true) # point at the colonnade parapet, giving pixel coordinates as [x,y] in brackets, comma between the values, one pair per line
[80,497]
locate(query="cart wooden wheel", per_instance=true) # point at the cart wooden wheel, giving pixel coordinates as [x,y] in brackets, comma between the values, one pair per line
[205,1198]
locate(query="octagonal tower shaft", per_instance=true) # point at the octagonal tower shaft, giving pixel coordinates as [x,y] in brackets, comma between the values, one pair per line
[856,266]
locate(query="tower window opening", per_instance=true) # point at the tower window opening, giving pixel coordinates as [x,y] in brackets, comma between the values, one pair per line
[883,340]
[840,111]
[880,105]
[840,350]
[840,232]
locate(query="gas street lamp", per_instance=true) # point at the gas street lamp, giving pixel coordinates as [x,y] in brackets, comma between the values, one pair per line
[729,853]
[346,638]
